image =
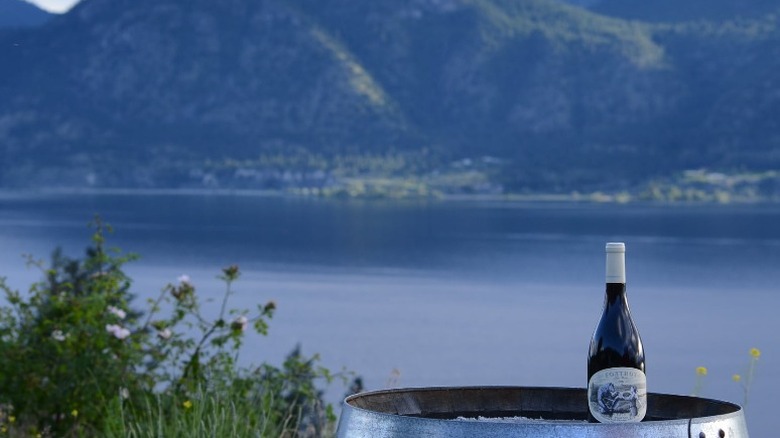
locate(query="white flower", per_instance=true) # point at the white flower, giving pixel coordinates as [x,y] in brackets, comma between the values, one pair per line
[124,393]
[118,331]
[240,323]
[165,333]
[184,279]
[118,312]
[122,333]
[57,335]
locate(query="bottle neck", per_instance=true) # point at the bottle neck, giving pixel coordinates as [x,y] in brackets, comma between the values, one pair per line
[616,292]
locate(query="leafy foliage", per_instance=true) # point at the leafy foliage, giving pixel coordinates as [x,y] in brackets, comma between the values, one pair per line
[79,359]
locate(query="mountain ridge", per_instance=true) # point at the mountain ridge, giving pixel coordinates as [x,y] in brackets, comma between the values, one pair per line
[674,11]
[564,97]
[21,14]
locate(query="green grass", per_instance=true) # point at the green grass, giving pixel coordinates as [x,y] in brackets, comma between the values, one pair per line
[205,414]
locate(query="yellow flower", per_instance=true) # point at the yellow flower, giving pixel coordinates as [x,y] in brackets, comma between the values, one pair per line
[3,429]
[187,404]
[755,352]
[11,419]
[702,371]
[74,413]
[736,377]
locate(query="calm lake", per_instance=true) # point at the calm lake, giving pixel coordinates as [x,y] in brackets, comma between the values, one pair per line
[436,293]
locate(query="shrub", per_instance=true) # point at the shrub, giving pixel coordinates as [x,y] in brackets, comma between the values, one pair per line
[79,360]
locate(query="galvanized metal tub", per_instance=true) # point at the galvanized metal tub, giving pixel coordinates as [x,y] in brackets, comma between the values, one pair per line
[556,413]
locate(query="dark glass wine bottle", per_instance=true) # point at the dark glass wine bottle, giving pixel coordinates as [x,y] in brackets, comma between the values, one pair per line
[617,386]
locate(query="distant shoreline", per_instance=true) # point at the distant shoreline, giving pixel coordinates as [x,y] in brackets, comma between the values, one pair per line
[6,193]
[597,198]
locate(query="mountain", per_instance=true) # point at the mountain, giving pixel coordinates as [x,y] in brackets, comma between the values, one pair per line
[159,93]
[538,83]
[19,13]
[688,10]
[138,81]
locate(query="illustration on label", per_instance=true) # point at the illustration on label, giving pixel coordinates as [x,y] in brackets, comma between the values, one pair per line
[618,395]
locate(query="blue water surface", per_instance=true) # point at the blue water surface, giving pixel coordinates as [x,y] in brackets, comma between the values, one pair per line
[430,293]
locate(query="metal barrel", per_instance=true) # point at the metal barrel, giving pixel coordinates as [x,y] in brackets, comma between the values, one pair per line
[551,412]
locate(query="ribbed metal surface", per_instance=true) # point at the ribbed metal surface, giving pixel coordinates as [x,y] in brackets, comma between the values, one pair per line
[433,412]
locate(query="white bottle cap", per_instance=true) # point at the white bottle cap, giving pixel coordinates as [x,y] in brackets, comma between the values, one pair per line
[616,262]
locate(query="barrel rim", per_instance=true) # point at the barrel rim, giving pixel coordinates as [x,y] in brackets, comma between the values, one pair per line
[735,410]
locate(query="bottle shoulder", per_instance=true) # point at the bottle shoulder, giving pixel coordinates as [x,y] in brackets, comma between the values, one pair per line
[616,336]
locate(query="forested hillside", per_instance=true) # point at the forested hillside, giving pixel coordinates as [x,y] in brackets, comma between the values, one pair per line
[528,95]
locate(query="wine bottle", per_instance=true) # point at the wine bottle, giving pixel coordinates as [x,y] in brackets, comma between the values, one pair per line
[617,385]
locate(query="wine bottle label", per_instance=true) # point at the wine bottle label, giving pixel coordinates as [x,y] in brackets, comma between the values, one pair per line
[617,395]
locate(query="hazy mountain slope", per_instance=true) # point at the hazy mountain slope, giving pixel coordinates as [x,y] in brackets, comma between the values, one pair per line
[731,71]
[545,84]
[187,80]
[141,92]
[745,119]
[19,13]
[685,10]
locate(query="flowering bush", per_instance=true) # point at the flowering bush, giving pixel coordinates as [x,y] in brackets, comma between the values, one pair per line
[74,349]
[64,351]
